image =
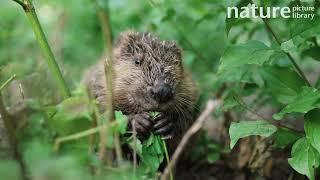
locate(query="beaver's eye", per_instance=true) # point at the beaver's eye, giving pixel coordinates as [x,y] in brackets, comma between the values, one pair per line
[137,61]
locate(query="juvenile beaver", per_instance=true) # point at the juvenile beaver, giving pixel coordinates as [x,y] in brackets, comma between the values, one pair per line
[148,76]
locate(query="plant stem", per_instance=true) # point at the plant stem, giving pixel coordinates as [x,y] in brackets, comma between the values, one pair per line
[7,82]
[43,43]
[167,156]
[85,133]
[295,64]
[20,3]
[104,18]
[271,121]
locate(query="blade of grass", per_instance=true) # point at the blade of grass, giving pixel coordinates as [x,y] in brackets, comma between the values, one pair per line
[7,82]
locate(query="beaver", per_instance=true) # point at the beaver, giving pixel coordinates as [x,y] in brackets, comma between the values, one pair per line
[148,77]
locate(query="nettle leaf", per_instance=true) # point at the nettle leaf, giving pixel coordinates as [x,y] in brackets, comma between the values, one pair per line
[284,137]
[71,116]
[136,145]
[122,122]
[312,52]
[305,101]
[248,128]
[312,128]
[251,52]
[230,102]
[283,83]
[304,158]
[152,153]
[232,21]
[301,27]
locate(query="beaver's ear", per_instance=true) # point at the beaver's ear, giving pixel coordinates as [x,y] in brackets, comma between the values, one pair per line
[126,43]
[177,50]
[126,38]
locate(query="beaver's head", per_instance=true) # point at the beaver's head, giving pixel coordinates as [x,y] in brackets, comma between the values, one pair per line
[147,72]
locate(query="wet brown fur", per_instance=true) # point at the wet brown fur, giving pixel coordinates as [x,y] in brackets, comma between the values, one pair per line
[158,60]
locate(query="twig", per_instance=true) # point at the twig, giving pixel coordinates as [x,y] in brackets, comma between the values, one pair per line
[103,15]
[7,82]
[44,45]
[196,126]
[81,134]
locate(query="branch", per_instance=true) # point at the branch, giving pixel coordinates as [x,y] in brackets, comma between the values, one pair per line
[196,126]
[7,82]
[43,43]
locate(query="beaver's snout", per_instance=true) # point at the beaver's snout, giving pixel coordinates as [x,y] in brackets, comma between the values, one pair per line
[161,92]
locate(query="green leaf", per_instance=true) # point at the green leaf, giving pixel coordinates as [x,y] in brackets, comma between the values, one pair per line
[312,52]
[304,102]
[302,27]
[154,114]
[251,52]
[248,128]
[304,158]
[10,170]
[283,83]
[288,46]
[136,145]
[72,115]
[170,13]
[213,156]
[232,21]
[284,137]
[152,153]
[122,122]
[230,102]
[312,128]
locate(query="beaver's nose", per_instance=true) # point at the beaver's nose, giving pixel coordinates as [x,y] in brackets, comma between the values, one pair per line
[161,92]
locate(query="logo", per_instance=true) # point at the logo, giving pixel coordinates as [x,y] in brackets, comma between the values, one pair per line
[253,11]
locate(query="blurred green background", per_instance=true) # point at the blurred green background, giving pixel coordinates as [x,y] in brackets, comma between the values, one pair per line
[74,33]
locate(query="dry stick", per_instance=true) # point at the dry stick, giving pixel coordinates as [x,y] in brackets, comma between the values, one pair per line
[9,124]
[196,126]
[103,14]
[44,45]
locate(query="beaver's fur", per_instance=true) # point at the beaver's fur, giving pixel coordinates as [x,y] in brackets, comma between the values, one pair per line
[159,60]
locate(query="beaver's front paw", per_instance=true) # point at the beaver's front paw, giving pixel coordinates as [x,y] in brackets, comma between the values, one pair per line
[163,126]
[142,122]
